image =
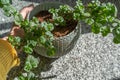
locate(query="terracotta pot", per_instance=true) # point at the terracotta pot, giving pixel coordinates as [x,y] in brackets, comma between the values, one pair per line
[63,44]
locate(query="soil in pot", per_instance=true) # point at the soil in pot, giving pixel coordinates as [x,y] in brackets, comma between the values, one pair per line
[58,31]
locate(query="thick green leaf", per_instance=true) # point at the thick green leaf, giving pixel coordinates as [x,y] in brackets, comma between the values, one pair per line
[32,43]
[89,21]
[48,43]
[50,27]
[53,11]
[116,40]
[15,41]
[7,10]
[35,20]
[49,34]
[31,76]
[27,49]
[21,78]
[1,5]
[5,1]
[64,9]
[31,62]
[34,61]
[113,9]
[51,51]
[116,31]
[95,28]
[59,20]
[111,19]
[18,19]
[10,38]
[105,30]
[25,23]
[76,16]
[28,66]
[42,39]
[86,14]
[43,24]
[114,24]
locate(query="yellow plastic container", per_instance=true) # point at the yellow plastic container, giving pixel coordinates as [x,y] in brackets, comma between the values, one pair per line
[8,58]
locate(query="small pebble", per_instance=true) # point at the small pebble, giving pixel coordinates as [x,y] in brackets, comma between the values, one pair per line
[3,19]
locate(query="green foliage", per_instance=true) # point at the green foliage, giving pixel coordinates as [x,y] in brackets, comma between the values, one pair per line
[95,28]
[28,76]
[18,18]
[61,15]
[15,41]
[116,33]
[51,51]
[35,33]
[9,10]
[31,63]
[102,17]
[47,26]
[4,2]
[27,49]
[79,12]
[58,20]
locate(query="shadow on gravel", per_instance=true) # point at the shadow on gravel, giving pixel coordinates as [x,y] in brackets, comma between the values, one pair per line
[44,65]
[85,28]
[115,79]
[5,28]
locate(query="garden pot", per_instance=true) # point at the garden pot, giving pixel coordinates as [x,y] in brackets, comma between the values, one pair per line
[62,44]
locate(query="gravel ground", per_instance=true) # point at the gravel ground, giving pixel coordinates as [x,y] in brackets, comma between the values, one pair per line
[93,58]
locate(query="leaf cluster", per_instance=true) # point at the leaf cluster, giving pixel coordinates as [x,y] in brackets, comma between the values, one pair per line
[36,33]
[4,2]
[102,17]
[27,76]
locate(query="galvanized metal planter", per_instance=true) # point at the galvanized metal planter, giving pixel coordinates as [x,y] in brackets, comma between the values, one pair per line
[63,44]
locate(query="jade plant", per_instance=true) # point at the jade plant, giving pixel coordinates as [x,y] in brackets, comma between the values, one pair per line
[102,18]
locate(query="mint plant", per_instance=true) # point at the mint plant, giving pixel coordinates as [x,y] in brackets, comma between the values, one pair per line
[27,76]
[102,17]
[61,15]
[4,2]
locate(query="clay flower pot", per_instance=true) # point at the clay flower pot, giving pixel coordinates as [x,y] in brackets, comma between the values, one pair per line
[62,44]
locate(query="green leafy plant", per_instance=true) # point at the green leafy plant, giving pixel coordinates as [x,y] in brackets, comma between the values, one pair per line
[27,76]
[31,63]
[102,17]
[4,2]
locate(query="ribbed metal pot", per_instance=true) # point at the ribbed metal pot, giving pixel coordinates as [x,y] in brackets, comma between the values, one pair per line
[63,44]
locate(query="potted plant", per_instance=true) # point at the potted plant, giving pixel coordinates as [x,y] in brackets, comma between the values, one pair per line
[44,22]
[64,34]
[100,16]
